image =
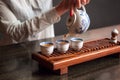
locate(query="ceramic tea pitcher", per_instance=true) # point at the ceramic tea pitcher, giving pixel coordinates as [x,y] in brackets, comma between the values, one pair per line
[79,22]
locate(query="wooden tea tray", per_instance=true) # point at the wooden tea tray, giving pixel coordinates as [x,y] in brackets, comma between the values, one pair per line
[91,50]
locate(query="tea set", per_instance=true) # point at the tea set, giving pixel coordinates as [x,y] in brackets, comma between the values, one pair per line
[47,48]
[76,24]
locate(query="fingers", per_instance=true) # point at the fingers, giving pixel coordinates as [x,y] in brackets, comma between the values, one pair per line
[87,1]
[66,5]
[84,2]
[76,4]
[79,2]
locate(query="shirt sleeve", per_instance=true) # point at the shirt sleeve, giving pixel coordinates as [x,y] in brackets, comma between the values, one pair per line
[20,31]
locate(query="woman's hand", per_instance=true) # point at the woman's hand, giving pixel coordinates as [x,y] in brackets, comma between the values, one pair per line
[66,5]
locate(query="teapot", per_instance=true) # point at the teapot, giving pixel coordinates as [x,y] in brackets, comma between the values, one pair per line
[79,22]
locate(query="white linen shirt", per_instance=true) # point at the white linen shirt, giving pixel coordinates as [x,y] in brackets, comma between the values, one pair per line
[26,20]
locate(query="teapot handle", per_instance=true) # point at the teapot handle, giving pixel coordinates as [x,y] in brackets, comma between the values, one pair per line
[83,7]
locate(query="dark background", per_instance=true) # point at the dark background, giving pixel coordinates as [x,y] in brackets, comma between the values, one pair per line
[101,12]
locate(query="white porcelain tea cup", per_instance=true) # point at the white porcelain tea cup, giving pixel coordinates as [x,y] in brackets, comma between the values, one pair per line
[62,45]
[76,43]
[47,48]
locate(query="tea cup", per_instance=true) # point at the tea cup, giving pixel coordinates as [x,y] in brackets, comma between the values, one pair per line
[47,48]
[62,45]
[76,43]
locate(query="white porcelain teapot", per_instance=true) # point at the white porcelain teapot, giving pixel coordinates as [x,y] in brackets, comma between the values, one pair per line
[79,22]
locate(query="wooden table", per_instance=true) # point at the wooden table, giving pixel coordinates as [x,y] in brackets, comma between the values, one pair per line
[16,62]
[97,44]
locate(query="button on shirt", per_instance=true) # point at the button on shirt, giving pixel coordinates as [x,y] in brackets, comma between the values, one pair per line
[26,20]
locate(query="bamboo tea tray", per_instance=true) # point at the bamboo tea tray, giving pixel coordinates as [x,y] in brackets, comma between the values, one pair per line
[90,51]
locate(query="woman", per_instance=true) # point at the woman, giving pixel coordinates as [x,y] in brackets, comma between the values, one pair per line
[26,20]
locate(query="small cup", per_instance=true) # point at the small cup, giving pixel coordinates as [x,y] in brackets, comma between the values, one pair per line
[62,45]
[76,43]
[47,48]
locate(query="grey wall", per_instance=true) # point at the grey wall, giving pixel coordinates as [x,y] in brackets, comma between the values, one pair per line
[101,12]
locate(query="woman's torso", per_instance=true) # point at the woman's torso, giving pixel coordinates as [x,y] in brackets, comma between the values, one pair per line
[27,9]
